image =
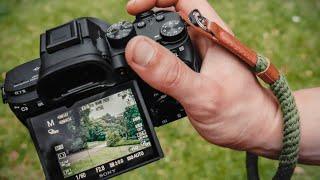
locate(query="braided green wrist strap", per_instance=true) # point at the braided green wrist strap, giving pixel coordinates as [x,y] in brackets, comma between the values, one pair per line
[291,130]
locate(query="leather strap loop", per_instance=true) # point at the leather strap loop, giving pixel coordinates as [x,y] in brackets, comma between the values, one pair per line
[270,75]
[217,34]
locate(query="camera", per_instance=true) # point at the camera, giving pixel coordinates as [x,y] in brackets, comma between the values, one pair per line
[89,115]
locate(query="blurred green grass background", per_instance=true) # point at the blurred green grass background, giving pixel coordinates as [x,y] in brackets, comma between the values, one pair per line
[287,31]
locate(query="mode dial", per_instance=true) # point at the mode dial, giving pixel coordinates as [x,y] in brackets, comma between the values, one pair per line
[120,33]
[173,30]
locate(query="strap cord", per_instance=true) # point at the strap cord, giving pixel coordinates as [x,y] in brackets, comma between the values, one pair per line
[291,127]
[252,166]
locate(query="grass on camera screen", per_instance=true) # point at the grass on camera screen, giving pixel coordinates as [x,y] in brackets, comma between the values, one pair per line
[110,128]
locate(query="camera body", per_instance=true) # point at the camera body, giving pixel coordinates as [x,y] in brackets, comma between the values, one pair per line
[81,95]
[88,39]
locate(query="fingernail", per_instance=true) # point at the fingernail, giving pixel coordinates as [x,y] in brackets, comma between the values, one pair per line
[131,2]
[143,52]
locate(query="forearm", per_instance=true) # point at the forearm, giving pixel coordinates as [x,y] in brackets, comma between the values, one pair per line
[308,102]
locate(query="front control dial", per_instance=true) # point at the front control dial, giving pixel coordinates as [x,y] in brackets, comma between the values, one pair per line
[120,33]
[173,30]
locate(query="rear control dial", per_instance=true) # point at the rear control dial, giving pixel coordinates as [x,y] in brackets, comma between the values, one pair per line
[173,30]
[120,33]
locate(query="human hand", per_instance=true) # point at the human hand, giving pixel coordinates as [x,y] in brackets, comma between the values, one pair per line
[224,102]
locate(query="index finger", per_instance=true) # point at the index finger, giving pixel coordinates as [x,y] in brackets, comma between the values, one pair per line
[135,7]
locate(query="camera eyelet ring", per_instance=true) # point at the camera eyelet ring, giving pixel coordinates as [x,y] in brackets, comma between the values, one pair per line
[200,20]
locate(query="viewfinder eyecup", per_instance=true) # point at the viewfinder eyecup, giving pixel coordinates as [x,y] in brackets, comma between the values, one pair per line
[71,61]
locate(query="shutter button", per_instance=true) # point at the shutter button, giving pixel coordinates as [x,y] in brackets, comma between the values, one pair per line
[141,24]
[160,17]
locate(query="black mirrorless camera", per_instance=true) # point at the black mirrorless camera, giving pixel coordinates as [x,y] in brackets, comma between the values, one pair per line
[89,115]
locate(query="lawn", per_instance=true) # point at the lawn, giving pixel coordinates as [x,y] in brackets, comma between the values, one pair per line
[287,31]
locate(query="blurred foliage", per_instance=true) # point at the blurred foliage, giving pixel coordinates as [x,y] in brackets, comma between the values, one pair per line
[287,31]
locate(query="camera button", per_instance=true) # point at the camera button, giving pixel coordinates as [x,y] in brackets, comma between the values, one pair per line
[145,14]
[141,24]
[160,17]
[22,109]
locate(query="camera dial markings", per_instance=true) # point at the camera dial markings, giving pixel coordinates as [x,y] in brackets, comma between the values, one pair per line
[120,33]
[119,30]
[172,30]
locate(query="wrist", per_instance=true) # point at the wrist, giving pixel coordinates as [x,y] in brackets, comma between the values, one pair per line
[268,140]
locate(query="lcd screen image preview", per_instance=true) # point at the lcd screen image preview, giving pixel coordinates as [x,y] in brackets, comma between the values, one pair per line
[110,128]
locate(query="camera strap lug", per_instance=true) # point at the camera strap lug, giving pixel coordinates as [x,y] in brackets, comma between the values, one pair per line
[3,94]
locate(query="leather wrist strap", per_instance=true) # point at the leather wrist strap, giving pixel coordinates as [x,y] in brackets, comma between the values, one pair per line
[269,74]
[216,33]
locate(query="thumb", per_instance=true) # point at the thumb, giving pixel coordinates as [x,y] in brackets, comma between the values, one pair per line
[161,69]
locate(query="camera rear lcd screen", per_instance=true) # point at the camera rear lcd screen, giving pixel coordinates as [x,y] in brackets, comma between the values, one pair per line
[96,138]
[110,128]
